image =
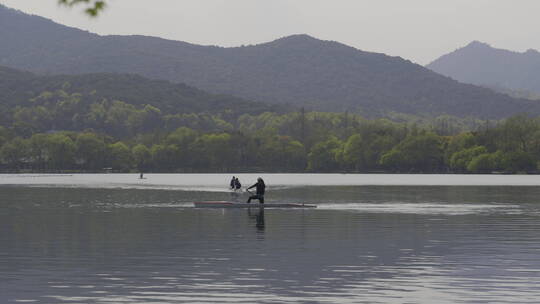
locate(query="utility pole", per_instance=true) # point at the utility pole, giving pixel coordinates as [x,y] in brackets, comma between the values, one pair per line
[303,126]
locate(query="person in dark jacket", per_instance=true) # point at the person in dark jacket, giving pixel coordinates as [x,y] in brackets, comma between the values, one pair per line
[259,195]
[233,182]
[237,184]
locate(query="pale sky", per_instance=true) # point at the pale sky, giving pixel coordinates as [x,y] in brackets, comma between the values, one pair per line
[418,30]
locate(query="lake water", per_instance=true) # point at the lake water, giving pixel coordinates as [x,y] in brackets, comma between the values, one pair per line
[373,239]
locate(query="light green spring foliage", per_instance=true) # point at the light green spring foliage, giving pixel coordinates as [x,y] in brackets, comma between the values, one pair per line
[92,7]
[369,148]
[417,153]
[61,130]
[460,160]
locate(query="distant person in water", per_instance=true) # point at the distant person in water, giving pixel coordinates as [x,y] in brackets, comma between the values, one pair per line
[232,183]
[141,176]
[237,184]
[259,195]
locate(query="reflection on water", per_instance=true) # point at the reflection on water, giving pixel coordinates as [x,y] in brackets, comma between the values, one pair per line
[373,244]
[258,215]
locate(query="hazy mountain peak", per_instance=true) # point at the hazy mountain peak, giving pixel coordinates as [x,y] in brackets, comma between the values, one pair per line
[479,63]
[297,39]
[477,44]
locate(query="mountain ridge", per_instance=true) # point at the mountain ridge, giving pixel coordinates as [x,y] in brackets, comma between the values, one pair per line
[481,64]
[299,70]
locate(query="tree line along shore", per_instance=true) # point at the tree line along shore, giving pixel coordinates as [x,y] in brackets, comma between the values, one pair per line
[67,136]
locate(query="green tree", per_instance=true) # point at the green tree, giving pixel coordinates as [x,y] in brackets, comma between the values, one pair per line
[118,118]
[28,120]
[90,151]
[353,152]
[483,163]
[282,153]
[379,145]
[142,157]
[61,151]
[394,160]
[15,153]
[458,143]
[214,151]
[324,156]
[120,156]
[164,157]
[4,135]
[518,161]
[516,133]
[461,159]
[420,153]
[38,151]
[181,137]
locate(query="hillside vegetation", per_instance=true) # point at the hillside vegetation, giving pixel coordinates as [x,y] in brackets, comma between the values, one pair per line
[86,123]
[83,101]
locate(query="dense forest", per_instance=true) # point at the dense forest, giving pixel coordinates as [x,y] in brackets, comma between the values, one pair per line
[74,132]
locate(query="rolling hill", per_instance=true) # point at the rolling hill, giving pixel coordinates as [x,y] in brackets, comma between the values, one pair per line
[479,63]
[18,88]
[297,70]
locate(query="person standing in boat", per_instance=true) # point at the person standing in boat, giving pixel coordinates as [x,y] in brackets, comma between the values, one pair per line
[259,195]
[232,184]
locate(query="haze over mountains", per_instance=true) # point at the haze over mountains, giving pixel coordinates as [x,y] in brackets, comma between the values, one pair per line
[298,70]
[479,63]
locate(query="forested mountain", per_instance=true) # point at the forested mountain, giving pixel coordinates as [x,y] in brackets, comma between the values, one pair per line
[298,70]
[120,105]
[17,88]
[479,63]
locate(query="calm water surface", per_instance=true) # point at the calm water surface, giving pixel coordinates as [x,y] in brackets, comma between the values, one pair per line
[372,239]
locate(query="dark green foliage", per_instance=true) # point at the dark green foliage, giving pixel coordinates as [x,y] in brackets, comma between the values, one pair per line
[519,161]
[420,153]
[297,70]
[325,156]
[120,156]
[15,152]
[90,151]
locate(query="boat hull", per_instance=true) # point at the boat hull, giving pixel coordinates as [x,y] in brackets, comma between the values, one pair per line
[252,205]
